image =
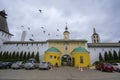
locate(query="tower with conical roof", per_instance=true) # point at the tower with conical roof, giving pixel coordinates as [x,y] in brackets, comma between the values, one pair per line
[95,37]
[3,22]
[66,33]
[4,31]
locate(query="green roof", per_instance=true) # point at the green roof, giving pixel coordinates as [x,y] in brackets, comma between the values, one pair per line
[80,49]
[52,49]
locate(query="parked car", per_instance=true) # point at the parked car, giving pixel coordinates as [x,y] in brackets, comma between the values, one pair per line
[105,67]
[1,65]
[5,65]
[116,66]
[30,64]
[8,64]
[44,65]
[17,65]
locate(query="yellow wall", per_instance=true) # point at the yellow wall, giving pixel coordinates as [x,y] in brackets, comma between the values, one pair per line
[60,45]
[70,44]
[54,60]
[86,59]
[75,55]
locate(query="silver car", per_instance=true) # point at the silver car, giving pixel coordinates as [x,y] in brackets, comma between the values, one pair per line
[29,65]
[17,65]
[44,65]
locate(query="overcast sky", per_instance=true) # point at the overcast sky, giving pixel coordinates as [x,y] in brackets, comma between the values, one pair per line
[81,17]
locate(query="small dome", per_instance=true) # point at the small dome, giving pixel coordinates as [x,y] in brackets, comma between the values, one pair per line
[66,32]
[53,49]
[95,34]
[80,49]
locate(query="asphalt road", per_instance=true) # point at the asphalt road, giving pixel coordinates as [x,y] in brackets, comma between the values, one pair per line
[62,73]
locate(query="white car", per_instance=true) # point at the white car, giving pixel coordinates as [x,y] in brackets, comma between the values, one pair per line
[17,65]
[29,65]
[44,65]
[116,66]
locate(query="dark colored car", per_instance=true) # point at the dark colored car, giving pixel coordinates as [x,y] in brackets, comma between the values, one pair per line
[8,64]
[5,65]
[105,67]
[1,65]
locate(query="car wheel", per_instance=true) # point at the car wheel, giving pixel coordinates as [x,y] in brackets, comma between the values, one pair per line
[33,68]
[118,70]
[101,69]
[48,68]
[7,67]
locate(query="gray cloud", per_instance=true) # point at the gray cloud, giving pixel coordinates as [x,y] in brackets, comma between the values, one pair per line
[81,16]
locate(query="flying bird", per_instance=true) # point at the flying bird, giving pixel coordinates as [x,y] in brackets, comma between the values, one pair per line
[42,27]
[57,29]
[32,35]
[22,26]
[31,39]
[28,28]
[48,34]
[40,10]
[44,32]
[57,35]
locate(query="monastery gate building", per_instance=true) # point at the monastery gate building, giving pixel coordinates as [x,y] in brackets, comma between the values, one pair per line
[59,52]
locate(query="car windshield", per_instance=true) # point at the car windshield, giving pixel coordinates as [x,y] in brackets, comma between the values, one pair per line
[43,62]
[29,61]
[108,64]
[115,64]
[18,62]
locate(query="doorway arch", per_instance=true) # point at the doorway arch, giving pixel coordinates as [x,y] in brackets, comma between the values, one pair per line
[66,60]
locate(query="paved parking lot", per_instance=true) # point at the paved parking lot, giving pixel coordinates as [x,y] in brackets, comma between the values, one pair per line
[62,73]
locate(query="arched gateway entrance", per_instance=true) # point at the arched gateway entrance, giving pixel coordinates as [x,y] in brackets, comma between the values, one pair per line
[66,60]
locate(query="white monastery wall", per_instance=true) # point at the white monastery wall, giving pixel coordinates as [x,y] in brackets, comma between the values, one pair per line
[39,47]
[94,52]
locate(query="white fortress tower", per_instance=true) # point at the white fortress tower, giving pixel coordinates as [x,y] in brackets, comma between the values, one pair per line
[23,36]
[4,31]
